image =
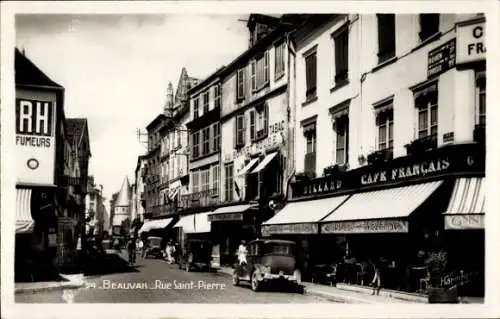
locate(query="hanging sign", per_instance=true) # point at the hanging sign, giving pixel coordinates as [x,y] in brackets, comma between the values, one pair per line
[442,58]
[471,41]
[469,221]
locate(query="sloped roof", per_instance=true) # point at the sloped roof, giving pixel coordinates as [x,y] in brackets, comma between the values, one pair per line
[124,195]
[75,128]
[27,73]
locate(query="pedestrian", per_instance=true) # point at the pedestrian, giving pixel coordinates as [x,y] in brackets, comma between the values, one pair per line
[131,250]
[376,282]
[170,250]
[145,248]
[242,253]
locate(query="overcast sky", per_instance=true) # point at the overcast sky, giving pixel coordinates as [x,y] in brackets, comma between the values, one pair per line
[115,70]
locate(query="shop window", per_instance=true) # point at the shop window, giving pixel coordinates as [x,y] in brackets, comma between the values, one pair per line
[240,84]
[341,41]
[229,182]
[309,130]
[259,72]
[217,96]
[426,102]
[215,137]
[311,77]
[195,175]
[206,140]
[342,139]
[481,98]
[429,25]
[215,178]
[206,102]
[385,124]
[279,60]
[196,106]
[386,37]
[240,130]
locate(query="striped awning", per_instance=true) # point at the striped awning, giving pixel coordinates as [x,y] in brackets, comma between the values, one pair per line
[24,221]
[467,204]
[155,224]
[383,211]
[229,213]
[247,167]
[265,162]
[301,217]
[195,223]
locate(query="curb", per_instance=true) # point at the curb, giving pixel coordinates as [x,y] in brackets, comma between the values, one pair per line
[66,285]
[330,297]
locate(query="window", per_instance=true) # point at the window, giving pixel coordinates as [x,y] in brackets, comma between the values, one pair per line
[205,180]
[206,102]
[206,141]
[196,181]
[217,96]
[259,122]
[385,124]
[196,144]
[216,137]
[310,76]
[252,125]
[342,143]
[429,25]
[260,72]
[179,136]
[240,84]
[279,60]
[215,178]
[240,130]
[386,36]
[229,182]
[481,98]
[426,102]
[310,154]
[341,40]
[196,102]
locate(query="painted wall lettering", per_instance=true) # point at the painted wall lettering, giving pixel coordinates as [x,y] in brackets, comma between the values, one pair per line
[471,45]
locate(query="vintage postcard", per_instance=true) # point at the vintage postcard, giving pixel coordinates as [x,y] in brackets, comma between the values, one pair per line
[214,159]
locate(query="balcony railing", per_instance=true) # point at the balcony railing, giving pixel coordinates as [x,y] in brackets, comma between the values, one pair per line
[203,198]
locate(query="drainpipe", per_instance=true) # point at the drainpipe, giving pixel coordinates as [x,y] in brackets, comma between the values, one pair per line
[290,116]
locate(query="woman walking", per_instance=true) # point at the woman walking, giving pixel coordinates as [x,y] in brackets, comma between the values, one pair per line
[376,279]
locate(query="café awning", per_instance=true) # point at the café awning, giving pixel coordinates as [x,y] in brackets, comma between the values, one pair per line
[155,224]
[24,221]
[195,223]
[247,167]
[467,204]
[269,157]
[229,213]
[383,211]
[301,217]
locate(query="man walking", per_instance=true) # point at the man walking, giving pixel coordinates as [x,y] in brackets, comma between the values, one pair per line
[131,250]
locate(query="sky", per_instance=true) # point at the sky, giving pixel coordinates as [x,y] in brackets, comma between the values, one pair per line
[115,70]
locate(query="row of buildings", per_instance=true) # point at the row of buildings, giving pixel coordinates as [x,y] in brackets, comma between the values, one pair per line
[52,185]
[343,132]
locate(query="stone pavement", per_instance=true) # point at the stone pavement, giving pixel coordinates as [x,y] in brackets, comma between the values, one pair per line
[69,282]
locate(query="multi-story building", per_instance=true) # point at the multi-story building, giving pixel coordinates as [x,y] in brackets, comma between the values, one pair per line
[396,117]
[140,201]
[255,111]
[122,209]
[94,209]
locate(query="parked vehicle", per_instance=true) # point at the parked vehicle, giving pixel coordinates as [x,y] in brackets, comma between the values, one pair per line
[269,261]
[154,247]
[196,254]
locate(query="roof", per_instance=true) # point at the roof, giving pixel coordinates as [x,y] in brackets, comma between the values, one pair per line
[154,122]
[123,198]
[75,128]
[206,81]
[262,18]
[27,73]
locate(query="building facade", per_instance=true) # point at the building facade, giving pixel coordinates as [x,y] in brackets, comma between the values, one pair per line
[95,211]
[122,209]
[140,202]
[398,112]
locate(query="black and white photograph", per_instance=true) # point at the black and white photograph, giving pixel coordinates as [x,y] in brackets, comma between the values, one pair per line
[248,157]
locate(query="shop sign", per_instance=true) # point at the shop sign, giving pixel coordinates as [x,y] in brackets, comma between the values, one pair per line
[471,41]
[225,217]
[469,221]
[306,228]
[365,227]
[35,141]
[321,186]
[442,58]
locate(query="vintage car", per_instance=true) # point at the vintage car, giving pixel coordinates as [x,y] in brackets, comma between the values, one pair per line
[196,254]
[269,261]
[153,247]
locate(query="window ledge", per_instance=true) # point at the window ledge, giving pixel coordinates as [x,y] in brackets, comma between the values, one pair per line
[260,88]
[311,100]
[432,38]
[203,156]
[339,85]
[385,63]
[279,76]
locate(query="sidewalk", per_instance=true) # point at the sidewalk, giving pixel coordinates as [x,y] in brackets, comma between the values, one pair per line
[341,295]
[68,282]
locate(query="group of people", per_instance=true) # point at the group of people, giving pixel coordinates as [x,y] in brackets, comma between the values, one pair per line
[135,246]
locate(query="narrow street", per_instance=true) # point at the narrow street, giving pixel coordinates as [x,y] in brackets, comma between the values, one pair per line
[148,271]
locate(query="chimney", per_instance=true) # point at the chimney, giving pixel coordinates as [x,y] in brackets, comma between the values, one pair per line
[170,98]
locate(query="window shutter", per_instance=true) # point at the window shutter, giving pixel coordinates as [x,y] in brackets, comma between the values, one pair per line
[266,66]
[244,129]
[266,119]
[253,79]
[235,136]
[252,125]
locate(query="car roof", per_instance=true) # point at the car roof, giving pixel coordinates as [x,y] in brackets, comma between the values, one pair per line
[273,241]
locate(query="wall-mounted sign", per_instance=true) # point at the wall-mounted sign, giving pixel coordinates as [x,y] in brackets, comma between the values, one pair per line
[469,221]
[442,58]
[306,228]
[35,141]
[471,41]
[225,217]
[365,227]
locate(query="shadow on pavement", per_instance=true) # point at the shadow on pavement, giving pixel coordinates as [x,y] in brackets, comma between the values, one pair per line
[108,264]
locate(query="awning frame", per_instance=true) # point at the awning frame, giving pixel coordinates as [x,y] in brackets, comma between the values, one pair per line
[263,164]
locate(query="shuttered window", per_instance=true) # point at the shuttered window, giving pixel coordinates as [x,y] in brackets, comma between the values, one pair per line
[240,130]
[206,141]
[386,36]
[196,102]
[215,178]
[310,76]
[215,137]
[279,60]
[240,84]
[229,182]
[429,25]
[206,102]
[252,125]
[341,40]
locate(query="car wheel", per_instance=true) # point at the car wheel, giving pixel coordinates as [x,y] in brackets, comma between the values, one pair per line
[236,279]
[255,281]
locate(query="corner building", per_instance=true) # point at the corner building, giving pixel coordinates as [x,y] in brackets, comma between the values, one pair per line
[390,122]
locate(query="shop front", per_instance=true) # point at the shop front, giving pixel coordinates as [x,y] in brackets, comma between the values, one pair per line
[390,215]
[159,228]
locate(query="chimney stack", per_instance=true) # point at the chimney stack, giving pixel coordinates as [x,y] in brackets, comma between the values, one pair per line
[170,98]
